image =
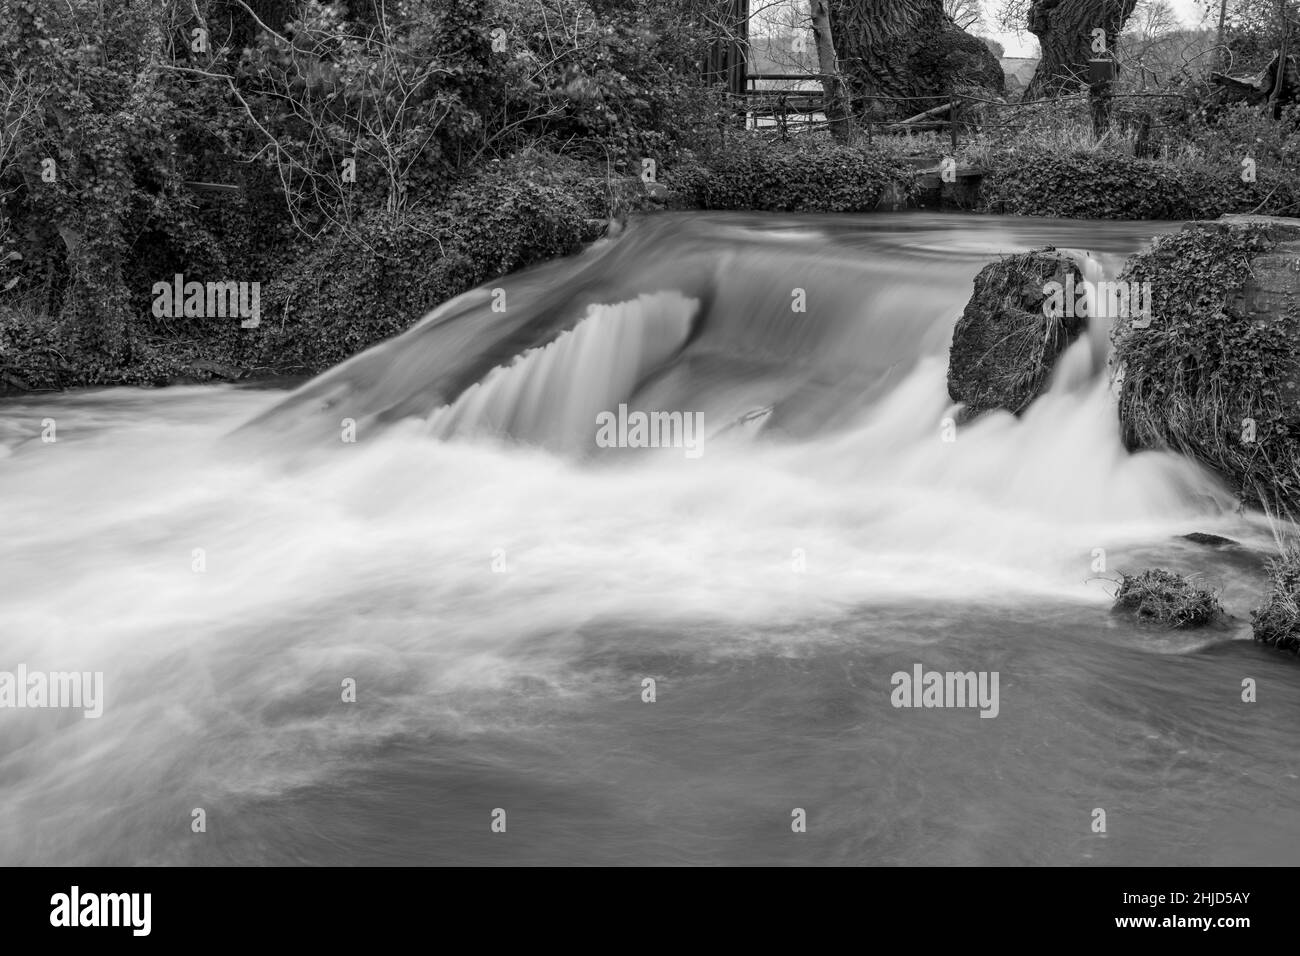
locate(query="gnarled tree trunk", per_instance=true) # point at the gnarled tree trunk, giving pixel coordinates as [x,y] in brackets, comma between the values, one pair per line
[891,49]
[1065,37]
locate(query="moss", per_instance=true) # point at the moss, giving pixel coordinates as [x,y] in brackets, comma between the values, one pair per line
[1216,373]
[1005,345]
[1165,598]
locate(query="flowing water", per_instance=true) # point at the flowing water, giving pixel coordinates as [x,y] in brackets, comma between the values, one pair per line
[500,587]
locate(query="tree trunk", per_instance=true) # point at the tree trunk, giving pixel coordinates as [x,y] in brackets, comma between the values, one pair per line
[835,95]
[904,55]
[1064,30]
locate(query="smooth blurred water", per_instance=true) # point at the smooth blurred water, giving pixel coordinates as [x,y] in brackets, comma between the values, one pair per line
[499,587]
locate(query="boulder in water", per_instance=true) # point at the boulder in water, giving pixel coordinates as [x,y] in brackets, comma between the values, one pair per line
[1011,332]
[1209,540]
[1213,371]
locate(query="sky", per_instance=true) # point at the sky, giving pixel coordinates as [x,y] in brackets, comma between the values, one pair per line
[1188,11]
[782,16]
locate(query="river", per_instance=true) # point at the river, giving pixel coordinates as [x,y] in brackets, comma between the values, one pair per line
[503,593]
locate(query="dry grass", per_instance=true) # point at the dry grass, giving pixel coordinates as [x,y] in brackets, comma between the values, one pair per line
[1277,623]
[1166,598]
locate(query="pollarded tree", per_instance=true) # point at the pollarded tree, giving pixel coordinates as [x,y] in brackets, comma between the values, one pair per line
[967,14]
[908,53]
[1068,38]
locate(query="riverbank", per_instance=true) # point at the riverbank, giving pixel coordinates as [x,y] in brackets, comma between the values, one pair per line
[323,299]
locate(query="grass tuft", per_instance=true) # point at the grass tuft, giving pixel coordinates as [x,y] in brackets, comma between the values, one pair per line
[1277,622]
[1171,600]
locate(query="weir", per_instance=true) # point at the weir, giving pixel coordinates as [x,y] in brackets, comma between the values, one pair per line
[496,585]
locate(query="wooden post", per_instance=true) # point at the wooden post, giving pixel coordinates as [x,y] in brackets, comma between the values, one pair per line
[738,74]
[952,124]
[1100,75]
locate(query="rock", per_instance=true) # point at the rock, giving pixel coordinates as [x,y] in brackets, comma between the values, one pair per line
[658,192]
[1214,371]
[1211,540]
[1004,345]
[593,229]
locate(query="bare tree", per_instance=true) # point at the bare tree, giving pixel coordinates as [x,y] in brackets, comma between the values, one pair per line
[356,100]
[967,14]
[1152,20]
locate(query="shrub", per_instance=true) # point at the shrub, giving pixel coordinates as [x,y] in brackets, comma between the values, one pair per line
[616,87]
[601,192]
[31,357]
[403,96]
[806,174]
[500,223]
[356,289]
[1083,185]
[1166,598]
[1100,185]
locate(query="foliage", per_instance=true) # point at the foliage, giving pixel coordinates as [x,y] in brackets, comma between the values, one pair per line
[354,290]
[141,110]
[1033,181]
[400,100]
[1277,621]
[1252,32]
[30,356]
[93,125]
[1166,598]
[106,138]
[615,87]
[1206,377]
[806,174]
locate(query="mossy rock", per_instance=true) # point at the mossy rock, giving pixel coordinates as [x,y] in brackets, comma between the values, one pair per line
[1213,371]
[1005,344]
[1167,599]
